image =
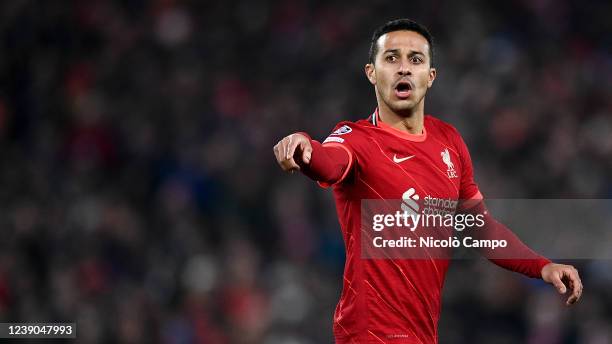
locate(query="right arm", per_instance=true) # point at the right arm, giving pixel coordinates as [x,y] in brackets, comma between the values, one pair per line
[327,164]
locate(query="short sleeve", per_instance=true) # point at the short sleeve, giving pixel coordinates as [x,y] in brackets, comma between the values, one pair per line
[468,188]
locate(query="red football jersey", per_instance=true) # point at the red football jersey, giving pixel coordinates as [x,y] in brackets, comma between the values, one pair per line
[394,300]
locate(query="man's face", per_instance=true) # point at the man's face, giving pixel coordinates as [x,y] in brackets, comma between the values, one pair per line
[402,71]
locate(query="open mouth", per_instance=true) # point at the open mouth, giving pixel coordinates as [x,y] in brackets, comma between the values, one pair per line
[403,89]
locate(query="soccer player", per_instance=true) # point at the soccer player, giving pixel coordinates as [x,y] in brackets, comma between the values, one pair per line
[398,152]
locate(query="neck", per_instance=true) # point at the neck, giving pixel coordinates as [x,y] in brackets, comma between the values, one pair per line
[410,120]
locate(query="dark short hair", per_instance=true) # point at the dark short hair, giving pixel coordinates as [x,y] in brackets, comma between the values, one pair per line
[401,25]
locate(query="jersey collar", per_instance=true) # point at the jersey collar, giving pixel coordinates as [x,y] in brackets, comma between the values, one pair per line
[375,120]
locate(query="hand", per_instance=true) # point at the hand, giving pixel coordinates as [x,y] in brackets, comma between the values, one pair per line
[291,150]
[563,276]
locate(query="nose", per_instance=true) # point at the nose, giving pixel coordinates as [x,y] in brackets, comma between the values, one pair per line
[404,68]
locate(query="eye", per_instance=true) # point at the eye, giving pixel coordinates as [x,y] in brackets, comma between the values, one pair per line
[391,58]
[416,59]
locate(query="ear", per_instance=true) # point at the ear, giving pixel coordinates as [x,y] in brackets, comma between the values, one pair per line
[432,77]
[370,73]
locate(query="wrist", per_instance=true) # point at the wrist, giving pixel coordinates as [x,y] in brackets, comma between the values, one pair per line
[543,263]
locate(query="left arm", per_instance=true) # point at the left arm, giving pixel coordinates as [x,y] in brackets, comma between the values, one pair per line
[516,256]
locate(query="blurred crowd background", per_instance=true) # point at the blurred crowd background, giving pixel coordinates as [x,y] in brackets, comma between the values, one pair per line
[139,195]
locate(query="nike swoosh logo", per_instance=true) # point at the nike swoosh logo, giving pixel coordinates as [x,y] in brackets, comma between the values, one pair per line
[398,160]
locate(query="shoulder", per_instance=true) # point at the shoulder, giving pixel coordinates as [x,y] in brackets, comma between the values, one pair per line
[348,126]
[442,129]
[348,130]
[434,123]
